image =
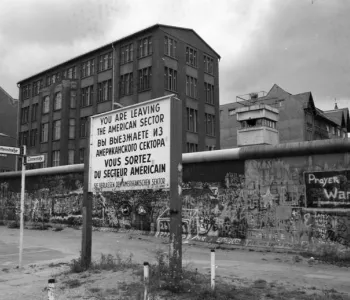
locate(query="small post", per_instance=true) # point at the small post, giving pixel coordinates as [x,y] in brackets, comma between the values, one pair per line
[212,272]
[21,225]
[146,279]
[51,289]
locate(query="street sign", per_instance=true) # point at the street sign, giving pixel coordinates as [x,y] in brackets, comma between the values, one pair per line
[9,150]
[35,159]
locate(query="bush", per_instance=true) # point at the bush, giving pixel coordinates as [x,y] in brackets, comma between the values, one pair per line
[12,224]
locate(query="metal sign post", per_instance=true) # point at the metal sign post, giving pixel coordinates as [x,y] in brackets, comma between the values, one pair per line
[175,250]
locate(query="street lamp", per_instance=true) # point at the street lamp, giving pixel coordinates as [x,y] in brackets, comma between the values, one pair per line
[22,152]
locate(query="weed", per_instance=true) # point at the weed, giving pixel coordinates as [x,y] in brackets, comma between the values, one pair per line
[329,253]
[72,283]
[94,290]
[77,266]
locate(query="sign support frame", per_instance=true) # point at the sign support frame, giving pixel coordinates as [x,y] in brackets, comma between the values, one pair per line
[86,245]
[175,239]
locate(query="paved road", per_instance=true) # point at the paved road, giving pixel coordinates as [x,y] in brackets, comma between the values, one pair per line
[40,246]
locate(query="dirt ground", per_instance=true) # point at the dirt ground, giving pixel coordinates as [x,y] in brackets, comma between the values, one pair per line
[263,274]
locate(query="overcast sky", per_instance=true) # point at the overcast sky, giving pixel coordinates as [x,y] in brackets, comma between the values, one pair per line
[301,45]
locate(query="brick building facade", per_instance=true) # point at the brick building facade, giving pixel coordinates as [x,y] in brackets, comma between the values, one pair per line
[160,60]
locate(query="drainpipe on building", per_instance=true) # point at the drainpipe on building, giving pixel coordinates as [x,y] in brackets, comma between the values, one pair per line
[113,81]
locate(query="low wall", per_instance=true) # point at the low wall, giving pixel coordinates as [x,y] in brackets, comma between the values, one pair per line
[288,196]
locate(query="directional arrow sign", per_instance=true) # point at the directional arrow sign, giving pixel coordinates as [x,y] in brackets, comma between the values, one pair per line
[9,150]
[35,159]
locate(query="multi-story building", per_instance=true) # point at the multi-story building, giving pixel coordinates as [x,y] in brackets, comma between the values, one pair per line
[299,119]
[156,61]
[8,127]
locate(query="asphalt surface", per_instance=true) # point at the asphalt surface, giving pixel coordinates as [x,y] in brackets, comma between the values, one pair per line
[48,246]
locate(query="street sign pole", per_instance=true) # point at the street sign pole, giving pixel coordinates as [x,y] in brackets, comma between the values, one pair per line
[22,207]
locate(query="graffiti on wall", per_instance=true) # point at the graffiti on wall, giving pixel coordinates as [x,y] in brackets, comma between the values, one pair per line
[263,202]
[328,189]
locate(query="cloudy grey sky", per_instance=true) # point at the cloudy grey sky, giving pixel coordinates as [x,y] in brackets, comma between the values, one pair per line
[302,45]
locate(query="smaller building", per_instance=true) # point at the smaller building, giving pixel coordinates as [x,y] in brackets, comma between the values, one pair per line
[8,126]
[257,125]
[299,119]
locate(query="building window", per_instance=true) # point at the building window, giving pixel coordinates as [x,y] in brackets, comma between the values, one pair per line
[81,155]
[145,76]
[44,163]
[23,138]
[231,112]
[71,133]
[145,47]
[46,104]
[88,68]
[210,148]
[70,73]
[26,91]
[191,87]
[86,95]
[44,137]
[57,105]
[73,99]
[34,112]
[126,84]
[209,93]
[327,127]
[56,130]
[170,46]
[127,53]
[55,158]
[36,87]
[105,62]
[208,64]
[33,137]
[192,119]
[71,154]
[191,56]
[51,79]
[170,79]
[104,91]
[333,130]
[338,132]
[24,115]
[83,127]
[209,121]
[192,147]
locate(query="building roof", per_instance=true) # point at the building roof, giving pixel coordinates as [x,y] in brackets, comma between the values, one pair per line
[118,41]
[10,98]
[339,116]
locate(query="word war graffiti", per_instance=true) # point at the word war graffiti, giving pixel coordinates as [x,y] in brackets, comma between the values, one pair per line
[328,189]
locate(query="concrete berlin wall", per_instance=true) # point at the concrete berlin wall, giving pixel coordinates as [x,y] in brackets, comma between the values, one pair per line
[288,196]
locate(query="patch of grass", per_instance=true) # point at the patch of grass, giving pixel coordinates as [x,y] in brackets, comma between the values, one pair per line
[13,224]
[53,265]
[72,283]
[95,290]
[329,253]
[105,263]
